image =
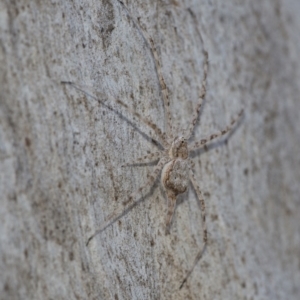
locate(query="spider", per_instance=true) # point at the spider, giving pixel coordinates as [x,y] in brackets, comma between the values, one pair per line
[174,164]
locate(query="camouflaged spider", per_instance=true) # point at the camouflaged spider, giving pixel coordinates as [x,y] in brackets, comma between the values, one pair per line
[174,164]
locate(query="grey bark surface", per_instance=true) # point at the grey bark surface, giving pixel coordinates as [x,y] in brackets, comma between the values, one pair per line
[61,152]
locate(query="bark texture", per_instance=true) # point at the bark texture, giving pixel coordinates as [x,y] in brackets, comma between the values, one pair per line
[61,152]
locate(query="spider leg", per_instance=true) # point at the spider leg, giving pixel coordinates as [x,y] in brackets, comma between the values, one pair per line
[164,90]
[150,157]
[202,204]
[199,144]
[163,86]
[195,115]
[129,204]
[161,136]
[171,209]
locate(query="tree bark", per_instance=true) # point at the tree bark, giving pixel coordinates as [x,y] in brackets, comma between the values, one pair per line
[61,151]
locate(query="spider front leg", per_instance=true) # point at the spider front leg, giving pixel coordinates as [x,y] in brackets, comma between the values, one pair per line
[164,90]
[128,204]
[199,144]
[195,115]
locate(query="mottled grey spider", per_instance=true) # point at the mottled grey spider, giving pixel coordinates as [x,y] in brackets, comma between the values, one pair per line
[174,164]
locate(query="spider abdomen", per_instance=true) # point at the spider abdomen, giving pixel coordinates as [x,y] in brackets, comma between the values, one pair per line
[175,176]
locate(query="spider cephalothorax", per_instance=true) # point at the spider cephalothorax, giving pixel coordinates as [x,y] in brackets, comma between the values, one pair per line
[179,148]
